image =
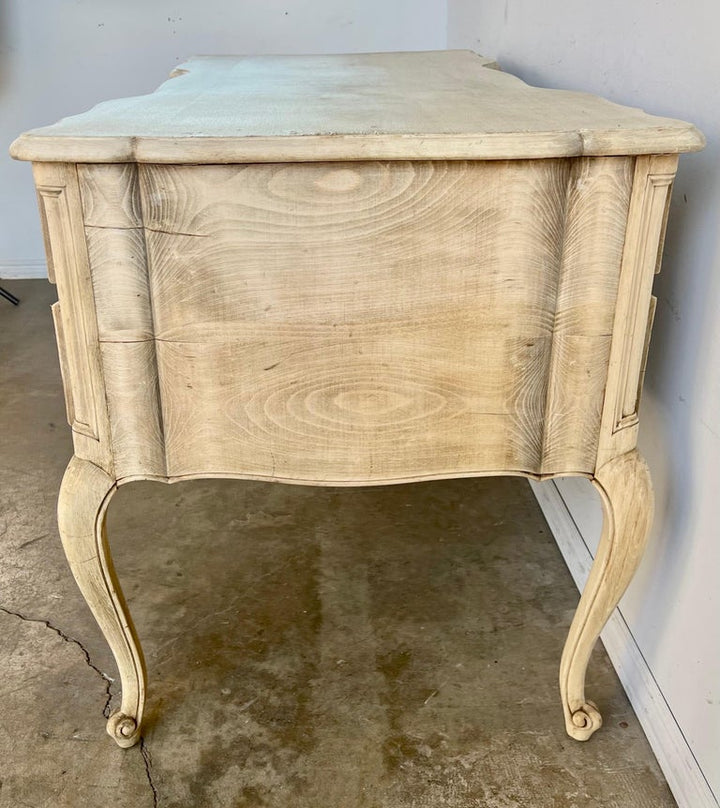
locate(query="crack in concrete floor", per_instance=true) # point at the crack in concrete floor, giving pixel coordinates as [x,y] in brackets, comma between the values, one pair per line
[147,760]
[108,681]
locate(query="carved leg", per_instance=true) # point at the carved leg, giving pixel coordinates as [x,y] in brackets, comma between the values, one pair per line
[626,490]
[84,496]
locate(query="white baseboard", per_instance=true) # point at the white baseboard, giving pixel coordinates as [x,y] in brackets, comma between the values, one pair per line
[19,269]
[681,769]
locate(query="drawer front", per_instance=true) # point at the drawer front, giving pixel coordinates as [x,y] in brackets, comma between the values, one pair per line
[350,322]
[361,404]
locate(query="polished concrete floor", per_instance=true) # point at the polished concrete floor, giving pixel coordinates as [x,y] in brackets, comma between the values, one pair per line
[391,647]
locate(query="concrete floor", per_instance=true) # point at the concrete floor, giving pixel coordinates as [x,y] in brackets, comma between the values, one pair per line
[390,647]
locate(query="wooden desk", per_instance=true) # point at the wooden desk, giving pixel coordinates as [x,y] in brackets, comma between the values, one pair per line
[352,270]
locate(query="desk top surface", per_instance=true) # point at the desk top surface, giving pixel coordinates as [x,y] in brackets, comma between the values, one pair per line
[425,105]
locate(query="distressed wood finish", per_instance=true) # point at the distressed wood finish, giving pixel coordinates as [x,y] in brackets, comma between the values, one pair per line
[273,276]
[336,319]
[283,295]
[115,236]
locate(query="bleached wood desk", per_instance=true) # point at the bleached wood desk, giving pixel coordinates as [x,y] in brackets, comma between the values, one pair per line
[343,270]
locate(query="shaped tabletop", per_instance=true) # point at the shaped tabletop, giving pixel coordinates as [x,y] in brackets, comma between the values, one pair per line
[425,105]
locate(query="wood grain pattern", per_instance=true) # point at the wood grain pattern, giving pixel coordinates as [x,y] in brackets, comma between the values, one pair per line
[307,284]
[407,265]
[133,396]
[116,247]
[383,106]
[120,283]
[110,196]
[576,387]
[340,243]
[485,259]
[118,266]
[324,407]
[586,293]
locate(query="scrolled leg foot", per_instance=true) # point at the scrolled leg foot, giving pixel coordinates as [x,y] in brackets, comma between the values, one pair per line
[583,722]
[124,729]
[626,490]
[84,496]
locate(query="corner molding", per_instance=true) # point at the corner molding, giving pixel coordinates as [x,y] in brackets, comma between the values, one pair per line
[682,771]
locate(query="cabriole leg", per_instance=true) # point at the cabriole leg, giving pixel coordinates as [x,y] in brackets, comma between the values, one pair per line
[84,496]
[626,490]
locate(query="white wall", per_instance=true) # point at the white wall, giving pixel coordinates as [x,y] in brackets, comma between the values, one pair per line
[662,56]
[59,57]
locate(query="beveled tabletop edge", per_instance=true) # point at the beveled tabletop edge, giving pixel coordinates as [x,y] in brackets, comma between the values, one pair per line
[478,123]
[320,148]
